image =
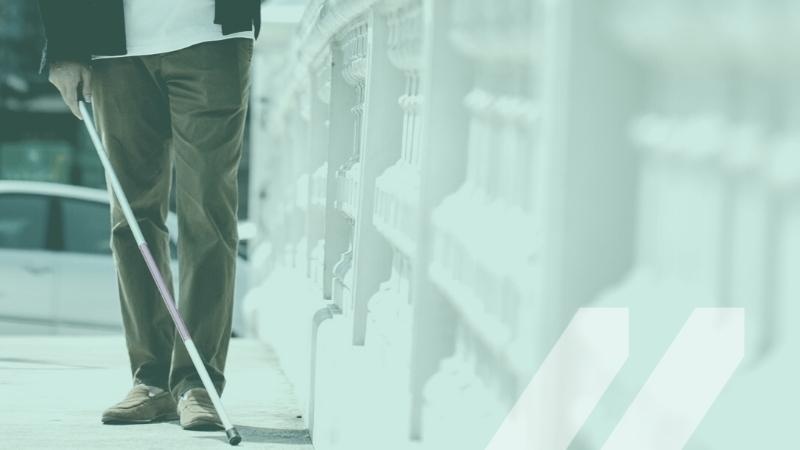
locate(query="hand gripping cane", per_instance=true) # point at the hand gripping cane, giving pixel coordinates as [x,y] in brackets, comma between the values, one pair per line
[233,435]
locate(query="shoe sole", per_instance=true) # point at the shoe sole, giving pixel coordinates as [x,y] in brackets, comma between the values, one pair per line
[203,425]
[161,418]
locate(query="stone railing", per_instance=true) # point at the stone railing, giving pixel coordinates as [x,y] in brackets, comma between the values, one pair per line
[440,184]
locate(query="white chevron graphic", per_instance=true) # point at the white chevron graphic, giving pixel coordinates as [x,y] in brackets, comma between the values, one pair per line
[685,383]
[588,357]
[536,422]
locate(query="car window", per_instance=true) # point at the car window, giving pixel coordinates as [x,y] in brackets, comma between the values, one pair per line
[23,221]
[86,226]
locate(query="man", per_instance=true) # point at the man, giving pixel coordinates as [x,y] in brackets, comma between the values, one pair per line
[169,82]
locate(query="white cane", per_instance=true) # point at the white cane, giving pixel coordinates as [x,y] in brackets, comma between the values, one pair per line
[233,435]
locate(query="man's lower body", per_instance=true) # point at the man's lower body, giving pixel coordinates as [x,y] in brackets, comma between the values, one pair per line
[184,109]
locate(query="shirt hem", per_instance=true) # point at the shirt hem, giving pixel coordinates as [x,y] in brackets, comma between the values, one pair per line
[150,50]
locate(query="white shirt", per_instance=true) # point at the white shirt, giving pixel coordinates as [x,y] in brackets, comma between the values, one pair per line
[161,26]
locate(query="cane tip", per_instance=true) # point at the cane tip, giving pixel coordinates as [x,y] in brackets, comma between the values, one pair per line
[234,438]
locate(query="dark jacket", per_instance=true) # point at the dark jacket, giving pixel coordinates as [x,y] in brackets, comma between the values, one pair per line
[77,29]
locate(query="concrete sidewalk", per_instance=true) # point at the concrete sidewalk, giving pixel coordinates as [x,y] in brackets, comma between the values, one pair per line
[53,390]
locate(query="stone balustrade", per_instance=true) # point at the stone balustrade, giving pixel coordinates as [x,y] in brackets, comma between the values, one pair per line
[440,185]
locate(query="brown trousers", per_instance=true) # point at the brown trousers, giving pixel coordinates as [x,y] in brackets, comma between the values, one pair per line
[185,108]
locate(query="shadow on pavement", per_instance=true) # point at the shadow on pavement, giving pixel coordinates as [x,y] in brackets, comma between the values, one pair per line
[265,436]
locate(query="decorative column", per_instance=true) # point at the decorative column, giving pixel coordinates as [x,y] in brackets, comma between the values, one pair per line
[484,241]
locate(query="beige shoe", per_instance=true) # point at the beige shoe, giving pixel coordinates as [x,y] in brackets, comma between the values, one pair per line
[143,404]
[197,412]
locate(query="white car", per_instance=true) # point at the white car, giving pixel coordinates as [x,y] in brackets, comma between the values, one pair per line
[56,270]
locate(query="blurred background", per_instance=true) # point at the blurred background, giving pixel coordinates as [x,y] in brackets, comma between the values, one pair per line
[54,220]
[437,187]
[39,139]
